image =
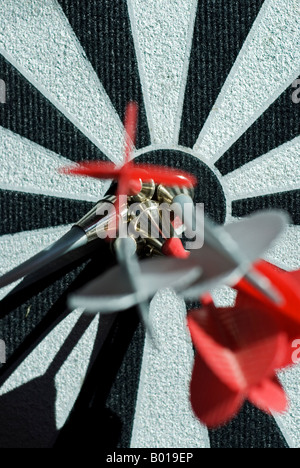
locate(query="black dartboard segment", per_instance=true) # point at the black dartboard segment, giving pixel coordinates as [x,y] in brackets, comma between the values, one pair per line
[286,201]
[109,46]
[278,125]
[29,114]
[109,396]
[25,211]
[251,429]
[217,40]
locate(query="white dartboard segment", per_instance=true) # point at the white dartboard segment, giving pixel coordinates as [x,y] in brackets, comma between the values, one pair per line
[19,247]
[286,252]
[267,64]
[290,421]
[33,169]
[37,39]
[162,32]
[163,416]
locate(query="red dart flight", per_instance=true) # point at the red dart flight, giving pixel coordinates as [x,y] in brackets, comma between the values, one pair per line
[240,348]
[130,176]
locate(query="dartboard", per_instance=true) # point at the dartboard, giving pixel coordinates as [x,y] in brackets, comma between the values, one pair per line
[217,86]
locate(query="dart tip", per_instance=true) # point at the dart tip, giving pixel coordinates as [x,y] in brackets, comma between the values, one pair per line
[173,248]
[134,188]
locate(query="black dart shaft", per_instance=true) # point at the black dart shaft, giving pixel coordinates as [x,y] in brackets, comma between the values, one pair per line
[81,234]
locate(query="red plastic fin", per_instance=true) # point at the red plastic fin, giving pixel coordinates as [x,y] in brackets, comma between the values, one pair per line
[241,348]
[121,200]
[98,170]
[295,275]
[162,175]
[207,300]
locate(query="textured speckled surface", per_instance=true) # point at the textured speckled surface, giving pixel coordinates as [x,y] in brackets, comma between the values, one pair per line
[267,64]
[163,40]
[34,169]
[276,171]
[163,415]
[37,38]
[290,422]
[285,253]
[17,248]
[47,371]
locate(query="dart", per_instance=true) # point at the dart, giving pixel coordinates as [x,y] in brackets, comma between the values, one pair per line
[130,185]
[236,247]
[287,284]
[203,270]
[80,235]
[130,267]
[240,348]
[235,366]
[137,182]
[227,246]
[130,177]
[157,233]
[112,292]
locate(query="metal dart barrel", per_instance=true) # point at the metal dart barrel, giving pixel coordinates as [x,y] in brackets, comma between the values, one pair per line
[168,194]
[82,233]
[155,228]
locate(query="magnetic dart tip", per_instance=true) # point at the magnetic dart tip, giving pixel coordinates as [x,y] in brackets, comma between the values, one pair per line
[146,192]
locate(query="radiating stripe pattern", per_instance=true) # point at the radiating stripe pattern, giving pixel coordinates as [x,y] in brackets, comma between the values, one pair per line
[163,39]
[285,253]
[68,381]
[34,169]
[17,248]
[38,40]
[45,372]
[53,60]
[277,171]
[266,66]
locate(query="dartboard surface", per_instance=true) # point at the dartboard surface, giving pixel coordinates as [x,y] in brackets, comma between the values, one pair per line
[217,84]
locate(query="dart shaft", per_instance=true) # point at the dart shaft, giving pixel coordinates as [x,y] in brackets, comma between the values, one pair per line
[97,219]
[75,238]
[82,233]
[264,286]
[128,259]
